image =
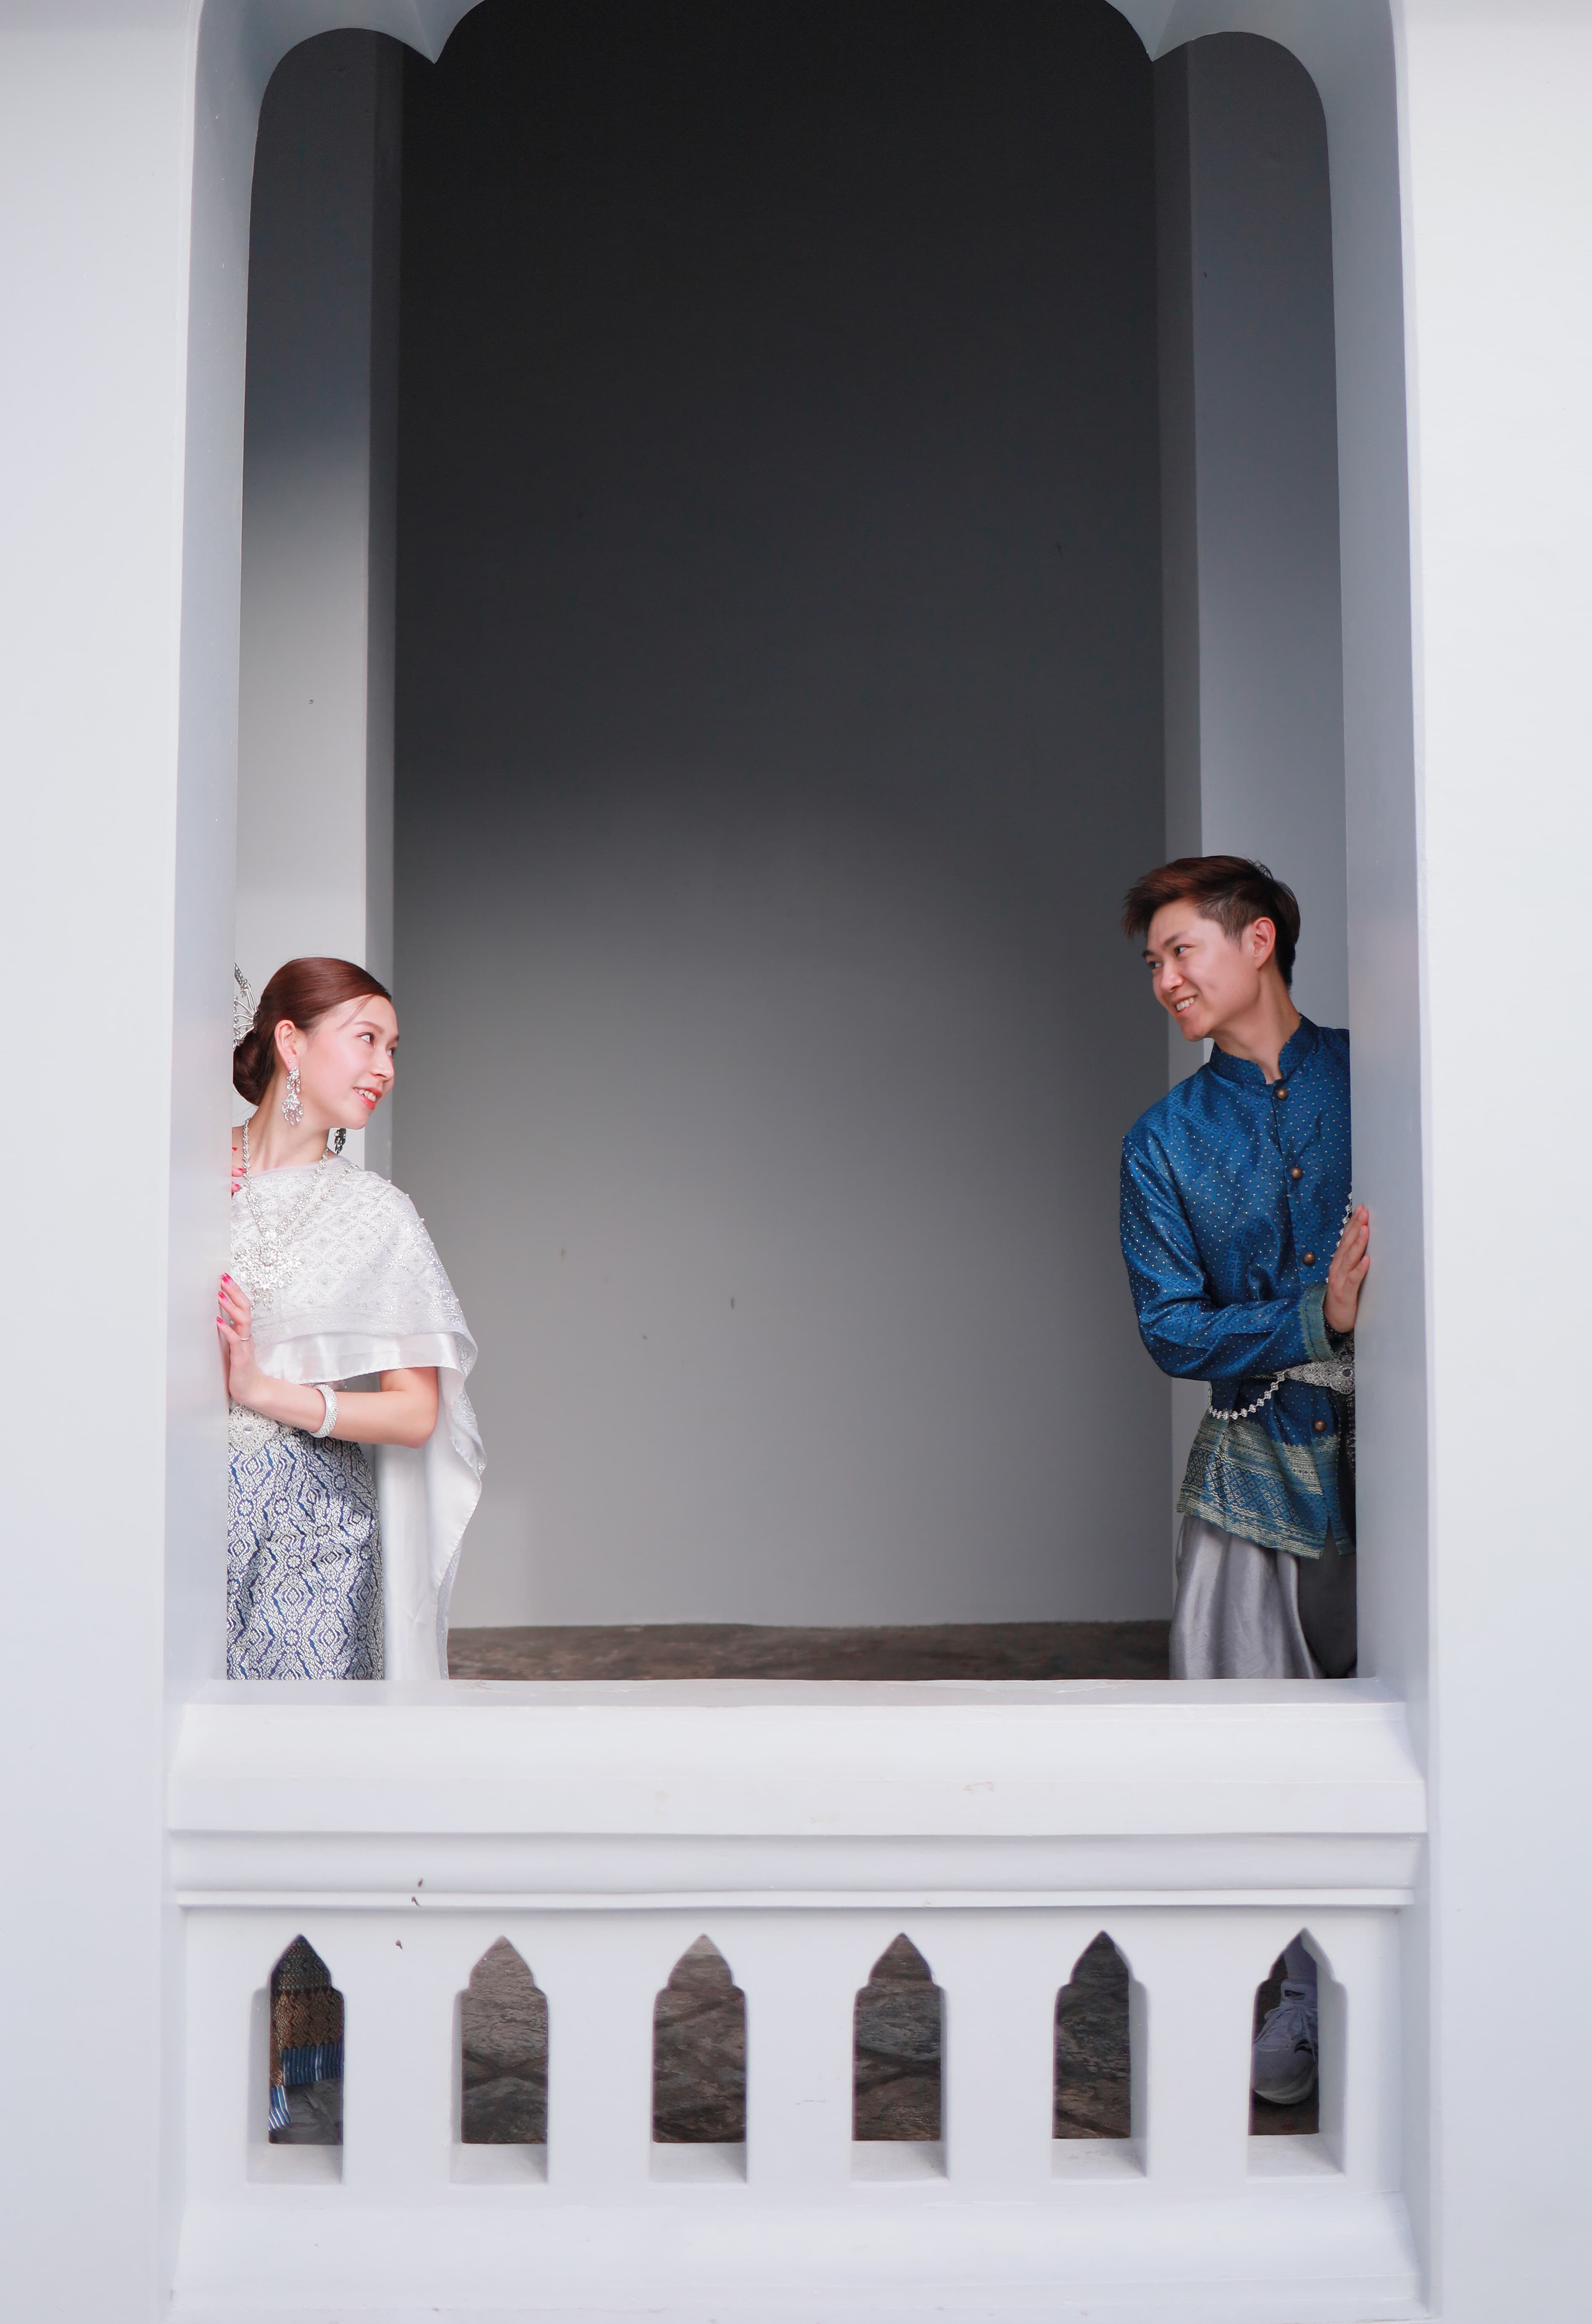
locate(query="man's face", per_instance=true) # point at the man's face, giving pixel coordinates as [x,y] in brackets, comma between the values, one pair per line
[1204,978]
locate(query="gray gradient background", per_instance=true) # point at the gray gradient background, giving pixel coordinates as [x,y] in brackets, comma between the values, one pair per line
[779,720]
[318,570]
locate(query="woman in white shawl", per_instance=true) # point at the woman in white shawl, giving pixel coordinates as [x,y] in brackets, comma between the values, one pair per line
[337,1566]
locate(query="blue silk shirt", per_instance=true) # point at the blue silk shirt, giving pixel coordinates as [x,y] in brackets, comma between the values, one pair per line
[1233,1195]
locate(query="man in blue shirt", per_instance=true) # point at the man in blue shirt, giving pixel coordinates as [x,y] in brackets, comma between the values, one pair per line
[1246,1260]
[1246,1257]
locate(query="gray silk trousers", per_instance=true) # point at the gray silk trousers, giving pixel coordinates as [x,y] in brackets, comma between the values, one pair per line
[1242,1611]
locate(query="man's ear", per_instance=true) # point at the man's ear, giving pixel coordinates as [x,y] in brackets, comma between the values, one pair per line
[1262,937]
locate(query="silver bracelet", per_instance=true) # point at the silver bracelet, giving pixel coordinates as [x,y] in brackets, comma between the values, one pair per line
[330,1398]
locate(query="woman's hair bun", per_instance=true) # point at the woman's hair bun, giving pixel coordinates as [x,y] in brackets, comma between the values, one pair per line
[300,993]
[252,1064]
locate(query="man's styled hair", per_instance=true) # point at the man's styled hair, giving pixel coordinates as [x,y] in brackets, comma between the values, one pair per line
[1230,890]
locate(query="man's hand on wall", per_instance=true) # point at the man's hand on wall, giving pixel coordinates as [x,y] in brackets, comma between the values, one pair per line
[1347,1272]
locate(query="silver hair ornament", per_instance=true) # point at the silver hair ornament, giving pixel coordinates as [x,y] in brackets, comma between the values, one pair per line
[244,1007]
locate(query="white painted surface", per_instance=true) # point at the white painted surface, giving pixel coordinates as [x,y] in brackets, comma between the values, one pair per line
[1348,47]
[1249,452]
[119,708]
[126,138]
[1499,226]
[315,675]
[806,1760]
[602,1828]
[1484,102]
[1180,473]
[94,153]
[1252,632]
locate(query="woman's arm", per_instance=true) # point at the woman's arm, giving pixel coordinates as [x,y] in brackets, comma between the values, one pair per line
[402,1411]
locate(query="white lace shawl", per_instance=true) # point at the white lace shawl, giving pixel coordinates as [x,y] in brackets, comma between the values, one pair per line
[354,1285]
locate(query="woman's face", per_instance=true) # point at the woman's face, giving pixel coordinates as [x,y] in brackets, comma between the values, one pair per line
[345,1062]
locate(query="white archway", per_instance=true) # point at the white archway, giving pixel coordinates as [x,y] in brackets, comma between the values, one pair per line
[1456,140]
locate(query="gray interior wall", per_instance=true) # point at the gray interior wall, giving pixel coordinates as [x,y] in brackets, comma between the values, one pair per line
[779,721]
[318,577]
[382,560]
[1180,472]
[1252,603]
[1251,591]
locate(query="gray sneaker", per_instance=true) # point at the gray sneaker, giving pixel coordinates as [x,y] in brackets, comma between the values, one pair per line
[1282,2063]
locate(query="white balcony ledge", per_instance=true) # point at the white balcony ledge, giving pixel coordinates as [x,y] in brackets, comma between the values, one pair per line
[603,1826]
[656,1792]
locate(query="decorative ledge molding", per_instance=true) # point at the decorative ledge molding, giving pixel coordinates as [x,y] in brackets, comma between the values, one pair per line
[636,1794]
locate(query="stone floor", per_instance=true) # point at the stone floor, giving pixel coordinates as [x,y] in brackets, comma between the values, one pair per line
[1093,2091]
[700,2052]
[897,2024]
[975,1650]
[699,2055]
[699,2018]
[502,2032]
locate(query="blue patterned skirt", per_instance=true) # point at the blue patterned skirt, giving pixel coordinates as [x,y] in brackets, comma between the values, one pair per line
[303,1556]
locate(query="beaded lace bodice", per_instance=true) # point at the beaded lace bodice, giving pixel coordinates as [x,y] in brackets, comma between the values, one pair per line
[343,1280]
[335,1251]
[341,1246]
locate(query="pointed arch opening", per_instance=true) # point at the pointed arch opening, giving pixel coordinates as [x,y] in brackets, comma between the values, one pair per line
[1095,2049]
[898,2042]
[1296,2064]
[305,2076]
[699,2069]
[502,2034]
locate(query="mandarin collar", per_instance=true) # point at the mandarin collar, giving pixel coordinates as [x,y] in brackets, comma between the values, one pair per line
[1296,1050]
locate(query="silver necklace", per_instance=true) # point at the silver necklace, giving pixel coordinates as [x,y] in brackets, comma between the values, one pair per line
[275,1259]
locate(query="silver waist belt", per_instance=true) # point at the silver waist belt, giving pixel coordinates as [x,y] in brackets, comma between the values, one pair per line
[1336,1373]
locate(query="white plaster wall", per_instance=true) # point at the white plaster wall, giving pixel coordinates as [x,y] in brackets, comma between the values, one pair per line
[315,676]
[123,203]
[1264,436]
[1251,617]
[1180,475]
[1349,50]
[1499,233]
[1251,585]
[94,134]
[1462,214]
[126,144]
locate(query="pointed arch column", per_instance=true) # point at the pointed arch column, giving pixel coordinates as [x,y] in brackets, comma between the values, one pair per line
[321,520]
[1461,217]
[126,142]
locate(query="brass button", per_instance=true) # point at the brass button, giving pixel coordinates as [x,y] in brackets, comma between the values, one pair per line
[1296,1172]
[1281,1091]
[1310,1258]
[1320,1427]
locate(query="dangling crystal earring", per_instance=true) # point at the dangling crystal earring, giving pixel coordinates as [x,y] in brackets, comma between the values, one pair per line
[339,1139]
[292,1109]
